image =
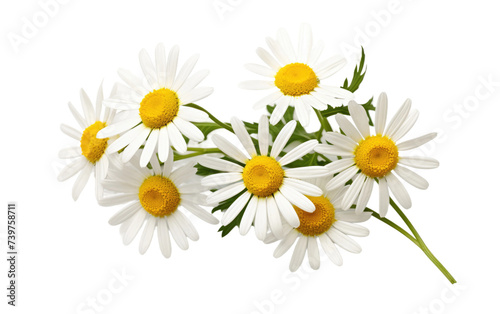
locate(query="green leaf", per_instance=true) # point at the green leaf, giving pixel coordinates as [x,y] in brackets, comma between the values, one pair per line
[358,75]
[330,111]
[207,127]
[236,222]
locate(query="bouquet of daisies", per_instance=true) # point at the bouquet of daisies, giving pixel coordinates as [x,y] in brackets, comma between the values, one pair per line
[152,151]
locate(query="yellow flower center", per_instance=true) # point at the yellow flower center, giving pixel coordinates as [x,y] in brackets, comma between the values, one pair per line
[263,176]
[93,148]
[296,79]
[319,221]
[376,156]
[159,108]
[159,196]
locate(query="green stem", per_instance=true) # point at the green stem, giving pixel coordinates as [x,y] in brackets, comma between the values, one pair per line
[420,243]
[212,117]
[325,125]
[393,225]
[197,152]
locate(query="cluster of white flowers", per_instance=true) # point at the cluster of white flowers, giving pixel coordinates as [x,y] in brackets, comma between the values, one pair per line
[287,183]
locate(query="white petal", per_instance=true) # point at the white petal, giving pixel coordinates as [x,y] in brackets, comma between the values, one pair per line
[71,169]
[189,129]
[200,212]
[280,109]
[270,99]
[303,187]
[117,199]
[298,152]
[220,179]
[136,223]
[136,143]
[197,94]
[163,144]
[348,128]
[263,135]
[176,139]
[330,66]
[398,119]
[406,126]
[147,234]
[342,178]
[225,193]
[305,43]
[186,226]
[351,229]
[261,219]
[229,149]
[242,134]
[249,215]
[282,138]
[184,73]
[125,213]
[330,249]
[173,59]
[411,177]
[351,216]
[298,253]
[183,174]
[277,51]
[192,114]
[286,44]
[340,165]
[177,232]
[193,81]
[168,163]
[260,69]
[416,142]
[285,244]
[81,122]
[164,238]
[148,69]
[149,148]
[82,180]
[341,141]
[88,109]
[353,192]
[383,197]
[286,210]
[118,127]
[419,162]
[332,150]
[307,172]
[364,196]
[297,199]
[273,217]
[343,241]
[399,191]
[70,152]
[132,81]
[381,114]
[219,164]
[71,132]
[161,65]
[268,59]
[313,252]
[360,118]
[316,52]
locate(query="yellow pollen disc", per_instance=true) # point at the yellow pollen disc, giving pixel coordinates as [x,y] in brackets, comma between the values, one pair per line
[296,79]
[159,108]
[159,196]
[263,176]
[93,148]
[319,221]
[376,156]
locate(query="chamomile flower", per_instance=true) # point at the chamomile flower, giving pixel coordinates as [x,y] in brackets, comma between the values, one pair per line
[329,224]
[158,115]
[265,184]
[92,153]
[296,76]
[155,198]
[366,157]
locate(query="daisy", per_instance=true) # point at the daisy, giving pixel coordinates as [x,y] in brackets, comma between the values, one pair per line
[296,76]
[367,158]
[92,153]
[154,199]
[158,115]
[329,224]
[266,185]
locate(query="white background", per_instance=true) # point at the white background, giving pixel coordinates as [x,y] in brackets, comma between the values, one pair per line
[435,52]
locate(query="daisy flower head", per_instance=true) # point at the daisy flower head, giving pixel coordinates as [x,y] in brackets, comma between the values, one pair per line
[92,153]
[158,115]
[329,224]
[368,158]
[155,199]
[260,181]
[296,76]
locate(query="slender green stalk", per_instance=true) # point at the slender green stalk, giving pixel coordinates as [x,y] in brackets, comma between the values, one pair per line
[212,117]
[393,225]
[325,125]
[421,243]
[197,152]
